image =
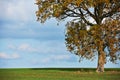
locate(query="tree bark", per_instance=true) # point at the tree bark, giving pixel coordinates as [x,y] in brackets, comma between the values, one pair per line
[101,62]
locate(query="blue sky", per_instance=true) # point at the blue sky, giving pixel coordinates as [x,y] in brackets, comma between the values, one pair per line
[24,42]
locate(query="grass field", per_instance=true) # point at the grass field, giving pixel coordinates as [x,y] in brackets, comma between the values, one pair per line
[58,74]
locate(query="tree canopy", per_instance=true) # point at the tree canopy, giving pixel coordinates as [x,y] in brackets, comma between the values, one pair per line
[93,30]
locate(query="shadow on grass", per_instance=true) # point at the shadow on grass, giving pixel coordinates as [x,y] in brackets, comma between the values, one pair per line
[59,69]
[66,69]
[76,69]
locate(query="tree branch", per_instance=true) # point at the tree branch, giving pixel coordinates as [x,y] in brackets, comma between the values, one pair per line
[82,16]
[113,11]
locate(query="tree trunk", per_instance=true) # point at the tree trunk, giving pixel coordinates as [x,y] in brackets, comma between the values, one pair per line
[101,62]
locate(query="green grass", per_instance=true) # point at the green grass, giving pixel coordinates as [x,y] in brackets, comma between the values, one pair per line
[58,74]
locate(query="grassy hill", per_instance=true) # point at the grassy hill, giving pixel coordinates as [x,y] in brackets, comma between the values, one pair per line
[59,74]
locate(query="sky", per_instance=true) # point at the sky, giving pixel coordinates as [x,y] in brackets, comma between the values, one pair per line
[26,43]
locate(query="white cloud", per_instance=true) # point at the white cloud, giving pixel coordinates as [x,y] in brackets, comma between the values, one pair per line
[60,57]
[10,46]
[27,47]
[55,58]
[17,10]
[15,56]
[51,58]
[8,56]
[24,47]
[19,21]
[46,47]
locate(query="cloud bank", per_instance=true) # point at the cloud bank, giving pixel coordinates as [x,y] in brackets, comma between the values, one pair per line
[9,56]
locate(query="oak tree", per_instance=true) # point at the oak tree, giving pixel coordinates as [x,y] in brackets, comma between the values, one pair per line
[93,30]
